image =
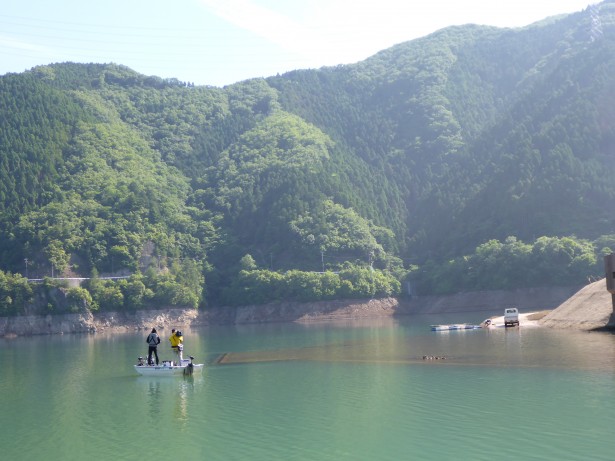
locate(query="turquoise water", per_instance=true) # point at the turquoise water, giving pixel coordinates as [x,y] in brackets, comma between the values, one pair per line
[354,390]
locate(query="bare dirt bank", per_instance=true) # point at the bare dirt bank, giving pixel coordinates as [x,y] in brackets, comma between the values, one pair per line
[591,308]
[490,302]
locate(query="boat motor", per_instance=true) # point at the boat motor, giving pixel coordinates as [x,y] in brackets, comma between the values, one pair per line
[189,368]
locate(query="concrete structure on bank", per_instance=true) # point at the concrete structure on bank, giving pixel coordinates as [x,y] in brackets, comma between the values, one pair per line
[609,269]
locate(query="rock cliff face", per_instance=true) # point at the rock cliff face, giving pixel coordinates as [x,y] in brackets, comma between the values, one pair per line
[47,324]
[168,318]
[490,302]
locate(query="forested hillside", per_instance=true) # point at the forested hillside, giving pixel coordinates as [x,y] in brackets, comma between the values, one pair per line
[475,157]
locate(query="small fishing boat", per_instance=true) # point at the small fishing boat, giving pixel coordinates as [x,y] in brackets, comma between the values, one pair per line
[168,368]
[455,326]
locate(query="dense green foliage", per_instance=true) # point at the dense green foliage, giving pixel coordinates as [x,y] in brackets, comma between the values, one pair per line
[15,293]
[317,184]
[549,261]
[262,286]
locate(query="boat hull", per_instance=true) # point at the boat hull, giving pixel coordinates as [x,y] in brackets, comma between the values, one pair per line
[164,370]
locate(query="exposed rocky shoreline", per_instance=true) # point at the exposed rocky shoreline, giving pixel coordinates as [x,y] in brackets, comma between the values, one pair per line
[589,308]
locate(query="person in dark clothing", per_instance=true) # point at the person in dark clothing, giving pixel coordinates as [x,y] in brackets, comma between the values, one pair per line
[152,340]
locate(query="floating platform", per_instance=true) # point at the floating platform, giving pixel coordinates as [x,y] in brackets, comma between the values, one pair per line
[455,326]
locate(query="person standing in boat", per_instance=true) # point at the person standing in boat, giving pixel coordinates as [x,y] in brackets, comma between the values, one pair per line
[152,340]
[177,343]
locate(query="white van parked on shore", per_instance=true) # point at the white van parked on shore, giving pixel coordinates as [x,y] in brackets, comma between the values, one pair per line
[511,317]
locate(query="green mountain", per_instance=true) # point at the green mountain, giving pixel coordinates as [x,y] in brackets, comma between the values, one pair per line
[411,159]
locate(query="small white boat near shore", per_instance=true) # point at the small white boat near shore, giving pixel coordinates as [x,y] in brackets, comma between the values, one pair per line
[169,368]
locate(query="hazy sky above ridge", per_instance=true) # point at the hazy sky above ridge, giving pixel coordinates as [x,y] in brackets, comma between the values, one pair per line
[219,42]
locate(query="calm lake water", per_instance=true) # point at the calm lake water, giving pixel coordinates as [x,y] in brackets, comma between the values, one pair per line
[352,390]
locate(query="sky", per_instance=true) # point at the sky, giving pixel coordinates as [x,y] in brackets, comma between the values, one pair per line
[220,42]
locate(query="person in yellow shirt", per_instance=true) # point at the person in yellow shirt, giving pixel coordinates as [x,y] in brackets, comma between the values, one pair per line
[177,343]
